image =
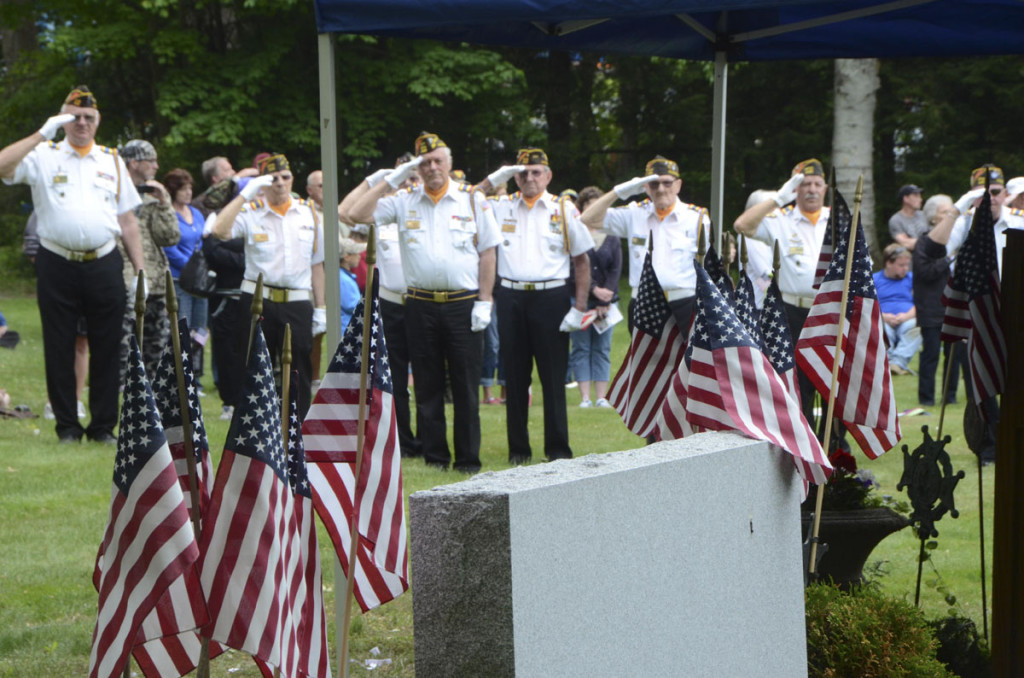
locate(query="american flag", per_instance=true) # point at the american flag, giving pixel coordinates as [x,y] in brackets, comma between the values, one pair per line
[245,537]
[165,391]
[148,543]
[972,306]
[305,650]
[656,348]
[746,309]
[330,432]
[671,423]
[716,269]
[733,387]
[864,398]
[778,345]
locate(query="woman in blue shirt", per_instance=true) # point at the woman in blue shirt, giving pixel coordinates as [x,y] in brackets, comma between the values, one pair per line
[190,222]
[349,250]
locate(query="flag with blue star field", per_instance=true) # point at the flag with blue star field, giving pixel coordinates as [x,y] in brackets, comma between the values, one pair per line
[304,652]
[716,269]
[864,398]
[745,302]
[245,536]
[825,253]
[655,349]
[777,344]
[733,387]
[148,543]
[972,302]
[331,434]
[165,390]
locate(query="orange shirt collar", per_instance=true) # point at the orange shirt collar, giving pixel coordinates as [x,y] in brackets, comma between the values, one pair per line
[436,196]
[664,213]
[281,209]
[530,202]
[812,216]
[82,150]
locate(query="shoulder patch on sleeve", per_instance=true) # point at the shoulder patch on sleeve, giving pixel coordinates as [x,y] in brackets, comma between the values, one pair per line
[107,149]
[253,205]
[1017,212]
[51,144]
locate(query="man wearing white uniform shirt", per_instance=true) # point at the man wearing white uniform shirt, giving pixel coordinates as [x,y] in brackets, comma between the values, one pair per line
[541,235]
[672,224]
[447,238]
[284,241]
[83,198]
[799,229]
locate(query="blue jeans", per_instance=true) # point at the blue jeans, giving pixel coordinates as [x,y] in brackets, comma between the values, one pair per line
[192,308]
[590,357]
[904,340]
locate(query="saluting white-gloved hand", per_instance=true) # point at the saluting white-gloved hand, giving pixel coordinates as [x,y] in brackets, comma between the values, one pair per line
[634,186]
[252,189]
[481,316]
[319,321]
[787,193]
[397,176]
[504,173]
[966,200]
[572,321]
[54,123]
[377,177]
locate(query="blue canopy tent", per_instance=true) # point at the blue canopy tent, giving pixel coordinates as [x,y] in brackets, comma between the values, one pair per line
[710,30]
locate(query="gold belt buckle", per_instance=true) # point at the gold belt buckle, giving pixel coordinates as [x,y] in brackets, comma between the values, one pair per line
[529,287]
[278,296]
[440,297]
[76,256]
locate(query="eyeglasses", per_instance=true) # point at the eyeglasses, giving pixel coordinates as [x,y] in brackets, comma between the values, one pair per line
[282,177]
[663,184]
[531,173]
[994,191]
[86,118]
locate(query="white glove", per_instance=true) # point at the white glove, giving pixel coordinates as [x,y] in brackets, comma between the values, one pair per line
[319,321]
[634,186]
[50,127]
[572,321]
[135,288]
[503,174]
[787,193]
[481,316]
[377,177]
[966,200]
[251,189]
[397,176]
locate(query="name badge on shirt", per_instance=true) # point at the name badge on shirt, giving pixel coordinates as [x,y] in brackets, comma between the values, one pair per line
[508,226]
[412,225]
[261,237]
[796,250]
[636,240]
[60,178]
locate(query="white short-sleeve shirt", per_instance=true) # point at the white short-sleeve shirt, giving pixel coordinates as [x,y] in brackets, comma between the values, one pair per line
[441,243]
[283,248]
[674,241]
[389,258]
[1009,218]
[77,198]
[538,243]
[799,243]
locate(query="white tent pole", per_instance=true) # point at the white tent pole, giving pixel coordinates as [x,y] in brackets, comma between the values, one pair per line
[718,145]
[329,166]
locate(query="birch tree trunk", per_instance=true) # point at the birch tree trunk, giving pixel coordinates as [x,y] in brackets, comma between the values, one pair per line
[856,85]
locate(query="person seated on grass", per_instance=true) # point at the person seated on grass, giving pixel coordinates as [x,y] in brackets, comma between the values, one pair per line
[895,287]
[8,337]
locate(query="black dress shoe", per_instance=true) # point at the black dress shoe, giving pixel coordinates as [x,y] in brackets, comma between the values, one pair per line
[103,439]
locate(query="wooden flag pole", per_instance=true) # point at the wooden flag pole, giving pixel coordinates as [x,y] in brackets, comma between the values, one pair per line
[203,670]
[350,583]
[140,306]
[702,243]
[742,251]
[256,310]
[850,252]
[286,381]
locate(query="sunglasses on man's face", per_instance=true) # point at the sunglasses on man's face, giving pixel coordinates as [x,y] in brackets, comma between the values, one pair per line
[86,118]
[994,191]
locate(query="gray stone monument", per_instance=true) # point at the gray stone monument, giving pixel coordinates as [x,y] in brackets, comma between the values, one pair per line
[678,559]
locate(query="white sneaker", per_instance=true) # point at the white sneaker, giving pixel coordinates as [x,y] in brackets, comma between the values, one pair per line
[227,412]
[602,402]
[48,412]
[586,403]
[81,410]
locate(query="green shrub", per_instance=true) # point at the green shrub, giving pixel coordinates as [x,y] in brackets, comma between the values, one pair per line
[960,647]
[866,634]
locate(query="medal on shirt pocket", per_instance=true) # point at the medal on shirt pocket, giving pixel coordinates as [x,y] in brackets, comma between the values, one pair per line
[60,183]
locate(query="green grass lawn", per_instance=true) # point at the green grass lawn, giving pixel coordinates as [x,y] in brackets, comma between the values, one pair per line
[54,502]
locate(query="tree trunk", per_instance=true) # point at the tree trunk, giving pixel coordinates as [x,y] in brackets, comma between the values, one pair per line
[856,85]
[19,38]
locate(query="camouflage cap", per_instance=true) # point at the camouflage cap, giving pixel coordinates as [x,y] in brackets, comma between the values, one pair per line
[138,149]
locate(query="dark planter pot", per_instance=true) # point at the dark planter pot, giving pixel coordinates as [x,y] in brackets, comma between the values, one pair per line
[851,536]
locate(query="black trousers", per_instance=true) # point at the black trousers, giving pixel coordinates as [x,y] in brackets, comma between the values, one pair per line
[299,314]
[94,290]
[928,363]
[796,317]
[682,310]
[439,335]
[227,318]
[528,331]
[395,334]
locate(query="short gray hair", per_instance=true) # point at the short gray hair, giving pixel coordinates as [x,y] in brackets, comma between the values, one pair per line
[933,204]
[209,167]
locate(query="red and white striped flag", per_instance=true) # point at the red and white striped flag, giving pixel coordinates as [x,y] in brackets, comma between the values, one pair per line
[825,253]
[148,544]
[864,398]
[973,308]
[246,536]
[732,386]
[645,378]
[330,434]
